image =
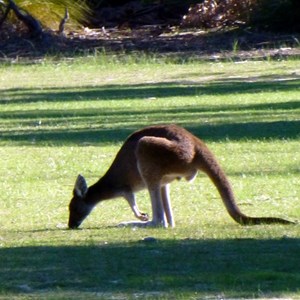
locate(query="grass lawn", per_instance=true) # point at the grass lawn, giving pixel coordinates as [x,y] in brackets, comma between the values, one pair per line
[59,119]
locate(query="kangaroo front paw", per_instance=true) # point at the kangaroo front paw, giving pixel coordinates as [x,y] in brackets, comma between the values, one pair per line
[144,217]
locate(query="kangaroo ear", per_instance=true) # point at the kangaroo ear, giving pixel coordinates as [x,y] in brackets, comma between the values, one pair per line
[80,188]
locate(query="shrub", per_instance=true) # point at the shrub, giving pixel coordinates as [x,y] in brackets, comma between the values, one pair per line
[278,15]
[213,13]
[50,13]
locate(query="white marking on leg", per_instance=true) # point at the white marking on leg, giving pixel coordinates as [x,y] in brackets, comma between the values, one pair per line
[158,212]
[165,195]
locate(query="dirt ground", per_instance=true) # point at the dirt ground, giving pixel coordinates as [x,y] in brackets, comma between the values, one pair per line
[212,45]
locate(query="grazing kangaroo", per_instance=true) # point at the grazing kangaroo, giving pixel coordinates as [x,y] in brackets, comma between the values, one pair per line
[152,158]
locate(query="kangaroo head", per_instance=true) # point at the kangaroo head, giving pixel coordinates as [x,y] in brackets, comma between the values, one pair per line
[78,207]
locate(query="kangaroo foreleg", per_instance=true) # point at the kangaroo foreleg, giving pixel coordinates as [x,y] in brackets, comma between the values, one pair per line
[132,203]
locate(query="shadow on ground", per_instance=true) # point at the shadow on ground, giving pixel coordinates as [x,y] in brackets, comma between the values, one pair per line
[239,267]
[178,88]
[101,124]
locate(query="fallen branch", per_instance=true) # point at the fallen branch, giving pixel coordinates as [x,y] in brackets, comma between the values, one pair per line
[5,13]
[32,23]
[63,22]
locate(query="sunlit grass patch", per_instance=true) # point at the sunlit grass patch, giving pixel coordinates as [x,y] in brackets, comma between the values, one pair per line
[61,119]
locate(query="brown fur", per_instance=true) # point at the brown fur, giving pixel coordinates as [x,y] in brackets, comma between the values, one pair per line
[152,158]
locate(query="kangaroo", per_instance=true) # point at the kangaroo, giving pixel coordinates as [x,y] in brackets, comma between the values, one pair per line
[152,158]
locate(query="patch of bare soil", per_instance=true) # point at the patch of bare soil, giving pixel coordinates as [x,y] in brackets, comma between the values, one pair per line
[210,45]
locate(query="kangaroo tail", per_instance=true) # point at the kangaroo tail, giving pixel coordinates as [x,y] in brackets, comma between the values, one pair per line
[207,163]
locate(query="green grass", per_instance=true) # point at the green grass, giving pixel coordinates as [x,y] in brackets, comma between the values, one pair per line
[58,119]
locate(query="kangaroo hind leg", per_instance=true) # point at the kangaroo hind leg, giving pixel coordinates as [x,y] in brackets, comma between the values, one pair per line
[159,162]
[165,196]
[158,211]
